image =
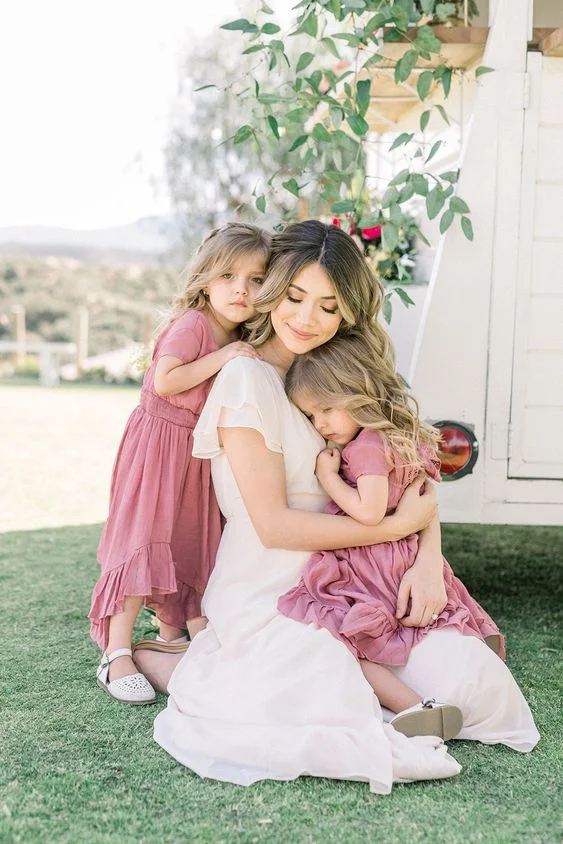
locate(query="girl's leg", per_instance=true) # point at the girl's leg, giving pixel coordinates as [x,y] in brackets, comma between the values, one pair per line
[391,692]
[168,632]
[414,716]
[120,634]
[465,672]
[194,625]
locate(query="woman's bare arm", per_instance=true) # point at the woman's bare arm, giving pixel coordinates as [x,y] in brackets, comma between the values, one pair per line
[260,477]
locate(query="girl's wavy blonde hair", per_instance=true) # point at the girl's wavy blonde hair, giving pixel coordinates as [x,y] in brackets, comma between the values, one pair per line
[344,373]
[216,255]
[358,293]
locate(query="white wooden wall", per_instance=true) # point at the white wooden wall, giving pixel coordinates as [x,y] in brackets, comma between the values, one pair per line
[537,398]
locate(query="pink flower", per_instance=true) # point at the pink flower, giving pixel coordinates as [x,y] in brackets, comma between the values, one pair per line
[373,233]
[336,222]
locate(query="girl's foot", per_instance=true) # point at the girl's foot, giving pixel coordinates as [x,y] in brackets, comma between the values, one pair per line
[132,688]
[429,718]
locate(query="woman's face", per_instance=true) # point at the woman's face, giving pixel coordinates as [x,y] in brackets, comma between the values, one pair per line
[308,315]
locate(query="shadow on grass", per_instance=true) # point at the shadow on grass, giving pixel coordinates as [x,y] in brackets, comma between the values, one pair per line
[79,768]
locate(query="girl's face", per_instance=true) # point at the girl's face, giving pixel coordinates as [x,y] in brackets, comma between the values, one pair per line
[231,295]
[308,315]
[332,423]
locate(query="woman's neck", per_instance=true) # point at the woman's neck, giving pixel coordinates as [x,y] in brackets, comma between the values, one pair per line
[277,355]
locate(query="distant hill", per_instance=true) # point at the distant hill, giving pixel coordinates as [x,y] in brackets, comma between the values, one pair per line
[149,240]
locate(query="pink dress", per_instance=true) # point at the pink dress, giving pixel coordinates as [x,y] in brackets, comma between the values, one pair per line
[164,524]
[353,592]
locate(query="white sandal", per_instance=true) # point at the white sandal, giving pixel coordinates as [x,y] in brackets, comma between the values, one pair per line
[134,688]
[429,718]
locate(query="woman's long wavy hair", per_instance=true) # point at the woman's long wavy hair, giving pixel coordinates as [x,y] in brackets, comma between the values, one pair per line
[359,294]
[216,255]
[344,373]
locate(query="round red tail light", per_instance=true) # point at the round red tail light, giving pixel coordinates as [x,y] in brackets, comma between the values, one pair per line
[457,450]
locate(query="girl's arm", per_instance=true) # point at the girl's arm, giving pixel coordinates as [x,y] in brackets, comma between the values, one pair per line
[173,376]
[260,476]
[366,504]
[423,584]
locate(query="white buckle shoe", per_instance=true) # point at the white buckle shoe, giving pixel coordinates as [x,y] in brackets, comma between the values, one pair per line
[429,718]
[134,689]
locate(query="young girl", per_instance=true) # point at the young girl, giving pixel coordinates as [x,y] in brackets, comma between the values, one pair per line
[163,530]
[358,403]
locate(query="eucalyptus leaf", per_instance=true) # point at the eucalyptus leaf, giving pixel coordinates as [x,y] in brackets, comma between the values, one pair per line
[403,296]
[292,186]
[424,83]
[458,205]
[304,61]
[401,139]
[240,25]
[298,142]
[434,149]
[261,203]
[419,184]
[434,202]
[401,177]
[467,227]
[405,65]
[446,220]
[363,95]
[274,126]
[357,124]
[390,236]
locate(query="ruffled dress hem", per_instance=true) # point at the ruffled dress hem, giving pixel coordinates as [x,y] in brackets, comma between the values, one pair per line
[150,573]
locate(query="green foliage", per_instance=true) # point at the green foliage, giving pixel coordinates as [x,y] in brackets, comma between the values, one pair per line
[325,106]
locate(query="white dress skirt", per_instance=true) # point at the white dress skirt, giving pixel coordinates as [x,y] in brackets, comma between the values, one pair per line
[260,696]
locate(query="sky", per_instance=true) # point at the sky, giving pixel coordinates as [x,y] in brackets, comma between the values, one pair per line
[85,94]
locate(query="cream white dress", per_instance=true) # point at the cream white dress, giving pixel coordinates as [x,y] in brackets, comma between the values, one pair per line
[257,695]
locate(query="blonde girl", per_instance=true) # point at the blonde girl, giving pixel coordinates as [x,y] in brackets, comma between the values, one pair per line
[159,544]
[358,403]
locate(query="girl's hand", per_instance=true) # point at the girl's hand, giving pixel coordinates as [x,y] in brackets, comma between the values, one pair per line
[422,586]
[239,349]
[417,507]
[328,463]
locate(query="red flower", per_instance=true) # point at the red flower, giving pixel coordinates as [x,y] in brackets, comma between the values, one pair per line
[373,233]
[336,221]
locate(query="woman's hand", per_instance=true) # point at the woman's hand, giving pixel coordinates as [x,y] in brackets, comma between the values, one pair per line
[424,587]
[417,507]
[423,584]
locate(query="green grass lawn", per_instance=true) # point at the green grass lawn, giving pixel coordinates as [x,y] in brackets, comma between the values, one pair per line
[78,768]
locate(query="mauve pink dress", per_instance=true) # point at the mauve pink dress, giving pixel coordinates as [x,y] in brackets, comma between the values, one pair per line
[164,524]
[353,592]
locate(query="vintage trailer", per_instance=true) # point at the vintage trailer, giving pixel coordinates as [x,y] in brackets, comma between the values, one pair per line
[489,348]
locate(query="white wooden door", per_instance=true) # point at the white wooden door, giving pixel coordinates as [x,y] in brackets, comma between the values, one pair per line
[536,423]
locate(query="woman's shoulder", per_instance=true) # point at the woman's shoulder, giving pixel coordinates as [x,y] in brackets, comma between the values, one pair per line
[245,370]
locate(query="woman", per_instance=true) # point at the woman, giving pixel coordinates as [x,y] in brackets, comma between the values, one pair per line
[258,695]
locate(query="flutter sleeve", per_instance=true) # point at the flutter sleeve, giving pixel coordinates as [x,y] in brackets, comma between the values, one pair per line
[184,338]
[246,394]
[367,455]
